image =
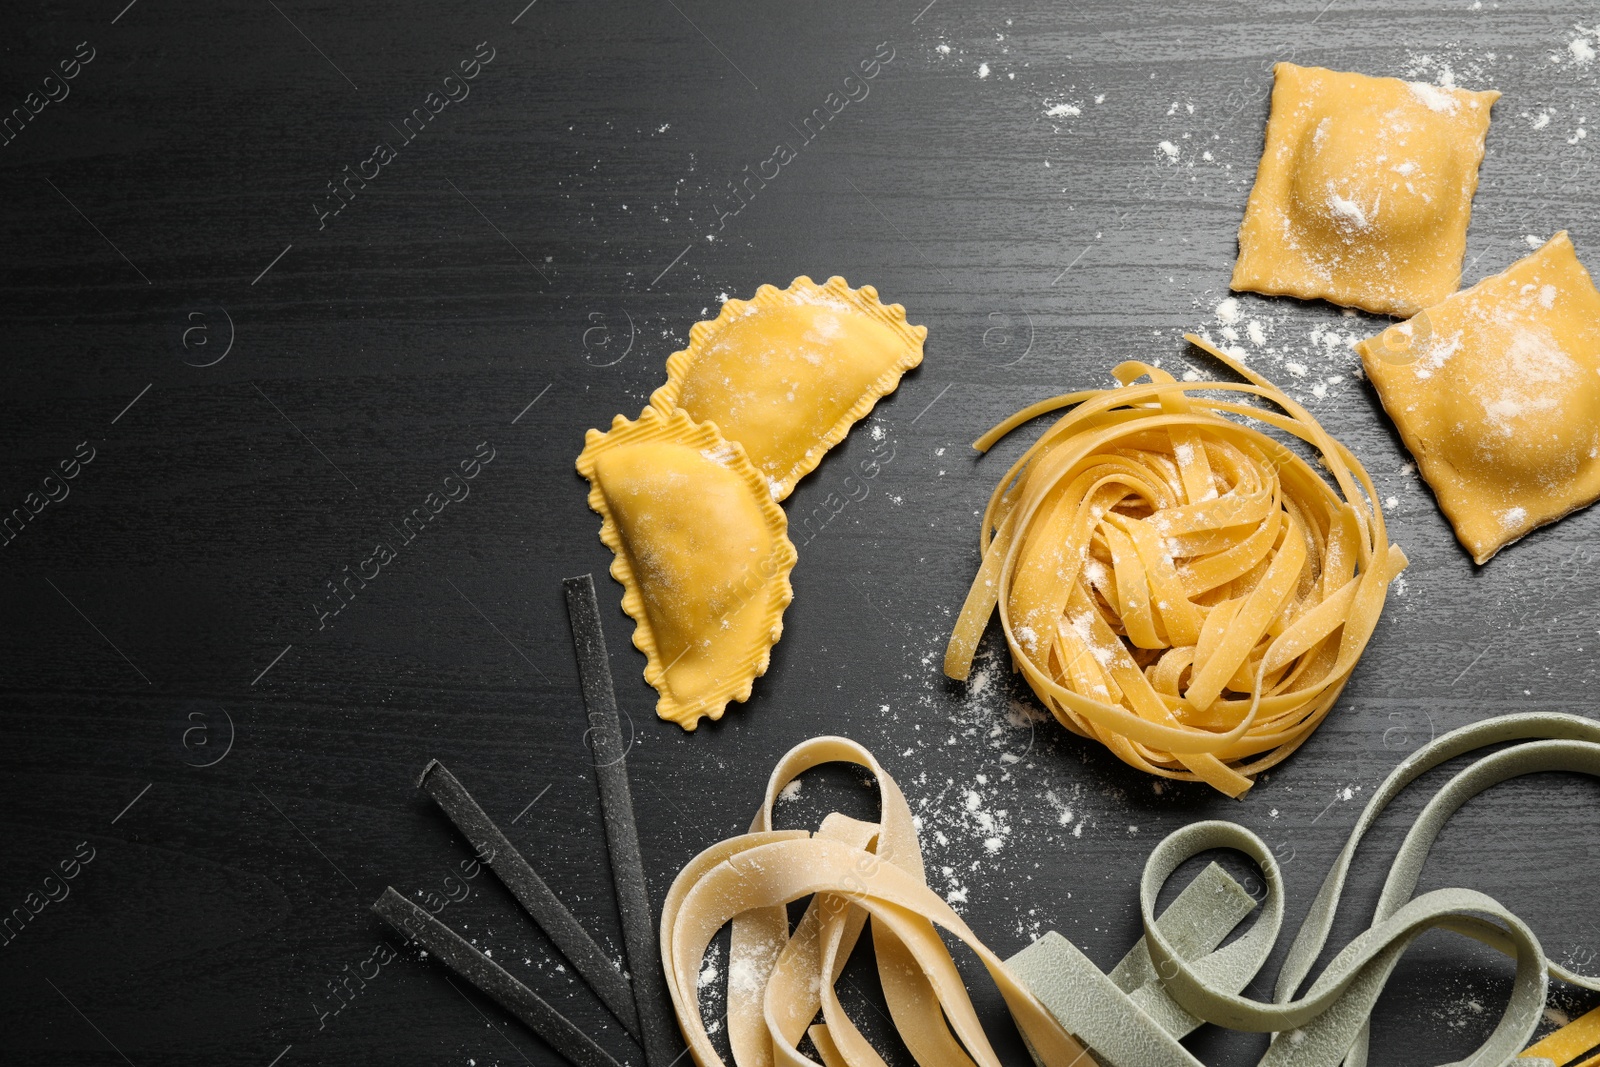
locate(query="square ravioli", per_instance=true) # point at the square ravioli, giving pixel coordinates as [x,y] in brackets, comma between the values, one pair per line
[1496,392]
[1364,190]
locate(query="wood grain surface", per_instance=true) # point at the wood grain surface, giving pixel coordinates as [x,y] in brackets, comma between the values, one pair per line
[268,389]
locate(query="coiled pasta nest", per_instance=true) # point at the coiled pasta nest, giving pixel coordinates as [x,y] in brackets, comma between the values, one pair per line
[1175,582]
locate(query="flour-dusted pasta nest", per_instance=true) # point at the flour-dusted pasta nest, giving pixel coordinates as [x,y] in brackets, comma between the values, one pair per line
[1175,582]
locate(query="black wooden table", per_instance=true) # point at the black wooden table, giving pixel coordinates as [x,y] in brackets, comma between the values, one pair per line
[269,277]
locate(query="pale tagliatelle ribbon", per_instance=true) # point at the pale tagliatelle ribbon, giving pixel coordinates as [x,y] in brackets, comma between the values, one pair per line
[778,980]
[1174,582]
[1175,979]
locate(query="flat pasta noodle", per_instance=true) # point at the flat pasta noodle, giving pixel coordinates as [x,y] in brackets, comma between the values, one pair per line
[1175,583]
[1170,982]
[1570,1044]
[1187,969]
[779,980]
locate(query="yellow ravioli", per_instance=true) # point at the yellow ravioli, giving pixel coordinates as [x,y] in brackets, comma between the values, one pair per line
[1496,392]
[702,553]
[787,373]
[1364,190]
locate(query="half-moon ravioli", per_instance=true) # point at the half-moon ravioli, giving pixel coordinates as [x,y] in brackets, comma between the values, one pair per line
[787,373]
[702,553]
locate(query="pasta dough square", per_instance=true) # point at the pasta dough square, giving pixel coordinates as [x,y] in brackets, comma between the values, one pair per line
[1364,190]
[1496,392]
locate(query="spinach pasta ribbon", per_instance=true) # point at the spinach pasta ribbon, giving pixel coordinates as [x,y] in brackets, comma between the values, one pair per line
[1179,976]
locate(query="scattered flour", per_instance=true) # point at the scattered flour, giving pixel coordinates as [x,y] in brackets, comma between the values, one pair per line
[1437,99]
[1346,211]
[709,972]
[723,455]
[1028,637]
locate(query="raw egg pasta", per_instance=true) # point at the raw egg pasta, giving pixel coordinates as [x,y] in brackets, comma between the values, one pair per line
[788,372]
[778,978]
[702,553]
[1187,969]
[1364,191]
[1174,582]
[1496,392]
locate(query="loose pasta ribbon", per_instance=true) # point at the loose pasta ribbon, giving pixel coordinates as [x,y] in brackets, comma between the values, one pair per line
[1173,581]
[1184,972]
[778,980]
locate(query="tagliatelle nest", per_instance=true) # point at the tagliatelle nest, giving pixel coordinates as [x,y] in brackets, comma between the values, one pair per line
[1176,584]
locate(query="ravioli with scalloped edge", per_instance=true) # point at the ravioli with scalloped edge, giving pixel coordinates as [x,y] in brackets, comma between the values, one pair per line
[702,552]
[1364,190]
[788,372]
[1496,392]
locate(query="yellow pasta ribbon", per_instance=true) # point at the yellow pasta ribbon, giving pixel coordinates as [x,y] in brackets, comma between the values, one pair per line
[1568,1044]
[1173,581]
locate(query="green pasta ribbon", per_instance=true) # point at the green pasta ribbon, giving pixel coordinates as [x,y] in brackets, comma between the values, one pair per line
[1177,978]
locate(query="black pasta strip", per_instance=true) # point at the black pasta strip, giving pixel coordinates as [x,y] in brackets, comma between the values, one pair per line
[596,968]
[488,976]
[622,833]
